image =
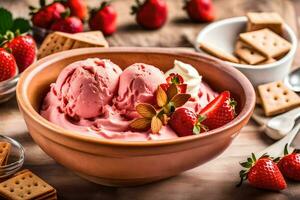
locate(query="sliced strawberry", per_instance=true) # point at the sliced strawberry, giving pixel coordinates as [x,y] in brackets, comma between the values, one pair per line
[182,88]
[219,112]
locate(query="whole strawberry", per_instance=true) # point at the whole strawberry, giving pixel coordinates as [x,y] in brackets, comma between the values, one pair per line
[219,112]
[200,10]
[185,122]
[68,24]
[104,19]
[78,8]
[8,65]
[23,48]
[46,15]
[262,173]
[289,165]
[151,14]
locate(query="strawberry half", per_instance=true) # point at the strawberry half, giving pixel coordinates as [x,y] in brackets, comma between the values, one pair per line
[185,122]
[262,173]
[219,112]
[289,165]
[8,65]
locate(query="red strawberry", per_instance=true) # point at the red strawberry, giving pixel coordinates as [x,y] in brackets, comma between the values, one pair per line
[289,165]
[185,122]
[68,24]
[262,173]
[200,10]
[151,14]
[78,8]
[219,112]
[104,19]
[177,80]
[47,15]
[8,65]
[23,48]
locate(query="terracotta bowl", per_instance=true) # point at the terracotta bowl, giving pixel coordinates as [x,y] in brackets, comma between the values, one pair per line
[121,163]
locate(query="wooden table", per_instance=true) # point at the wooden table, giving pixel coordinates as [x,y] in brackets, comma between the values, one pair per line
[214,180]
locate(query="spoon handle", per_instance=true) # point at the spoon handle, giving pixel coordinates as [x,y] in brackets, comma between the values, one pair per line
[276,149]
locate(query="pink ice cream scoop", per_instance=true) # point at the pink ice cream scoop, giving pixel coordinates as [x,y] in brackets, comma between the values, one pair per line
[138,83]
[85,87]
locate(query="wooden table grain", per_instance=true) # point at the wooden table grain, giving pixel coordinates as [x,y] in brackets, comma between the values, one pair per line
[214,180]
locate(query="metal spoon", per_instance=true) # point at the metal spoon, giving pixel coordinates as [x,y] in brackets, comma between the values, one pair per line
[292,80]
[284,123]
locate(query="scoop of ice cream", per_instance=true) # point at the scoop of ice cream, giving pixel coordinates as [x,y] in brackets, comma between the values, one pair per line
[85,87]
[189,74]
[138,84]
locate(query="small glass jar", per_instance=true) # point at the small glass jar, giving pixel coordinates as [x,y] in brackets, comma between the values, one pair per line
[8,88]
[15,159]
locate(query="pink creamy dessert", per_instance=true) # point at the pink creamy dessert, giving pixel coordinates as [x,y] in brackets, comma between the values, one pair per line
[94,97]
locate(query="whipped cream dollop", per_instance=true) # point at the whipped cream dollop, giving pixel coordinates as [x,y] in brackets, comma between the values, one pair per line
[190,75]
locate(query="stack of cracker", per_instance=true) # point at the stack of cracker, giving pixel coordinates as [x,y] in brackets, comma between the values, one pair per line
[25,185]
[59,41]
[262,43]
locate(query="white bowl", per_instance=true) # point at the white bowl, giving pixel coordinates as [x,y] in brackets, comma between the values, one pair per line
[223,34]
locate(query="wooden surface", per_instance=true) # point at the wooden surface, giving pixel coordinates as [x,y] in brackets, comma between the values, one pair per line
[214,180]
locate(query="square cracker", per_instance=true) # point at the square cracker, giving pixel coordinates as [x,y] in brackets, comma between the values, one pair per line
[261,20]
[277,98]
[59,41]
[248,54]
[266,42]
[4,152]
[268,61]
[218,53]
[26,186]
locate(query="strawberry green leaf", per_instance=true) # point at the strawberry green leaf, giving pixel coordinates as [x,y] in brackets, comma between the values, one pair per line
[246,164]
[6,21]
[253,157]
[201,118]
[286,152]
[196,129]
[21,24]
[42,3]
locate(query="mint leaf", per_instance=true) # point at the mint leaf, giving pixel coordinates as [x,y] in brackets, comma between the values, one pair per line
[6,21]
[21,24]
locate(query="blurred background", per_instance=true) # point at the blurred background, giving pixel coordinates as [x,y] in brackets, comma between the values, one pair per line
[179,30]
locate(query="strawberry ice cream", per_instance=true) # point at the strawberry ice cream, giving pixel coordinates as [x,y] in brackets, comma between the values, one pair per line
[96,98]
[138,84]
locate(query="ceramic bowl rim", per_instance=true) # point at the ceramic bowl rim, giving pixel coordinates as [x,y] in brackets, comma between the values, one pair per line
[30,72]
[243,19]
